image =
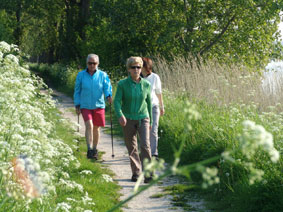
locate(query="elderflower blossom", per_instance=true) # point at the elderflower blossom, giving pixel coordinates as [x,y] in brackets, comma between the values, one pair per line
[70,199]
[5,47]
[15,48]
[107,178]
[86,172]
[209,175]
[71,185]
[191,114]
[65,175]
[63,207]
[87,200]
[10,58]
[254,137]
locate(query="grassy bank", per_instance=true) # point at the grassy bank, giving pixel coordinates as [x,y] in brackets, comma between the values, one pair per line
[95,180]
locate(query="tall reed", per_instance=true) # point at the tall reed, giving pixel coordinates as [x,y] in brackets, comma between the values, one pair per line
[219,83]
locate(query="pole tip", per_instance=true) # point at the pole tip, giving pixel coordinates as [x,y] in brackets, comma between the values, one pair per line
[113,156]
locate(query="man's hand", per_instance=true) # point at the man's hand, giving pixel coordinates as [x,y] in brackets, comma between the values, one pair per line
[78,110]
[123,121]
[109,98]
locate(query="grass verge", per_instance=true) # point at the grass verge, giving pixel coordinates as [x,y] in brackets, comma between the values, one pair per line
[104,193]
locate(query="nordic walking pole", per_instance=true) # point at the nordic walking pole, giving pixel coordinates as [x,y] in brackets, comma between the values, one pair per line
[78,131]
[111,132]
[78,123]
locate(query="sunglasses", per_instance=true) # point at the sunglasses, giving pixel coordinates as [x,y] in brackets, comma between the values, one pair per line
[135,67]
[91,63]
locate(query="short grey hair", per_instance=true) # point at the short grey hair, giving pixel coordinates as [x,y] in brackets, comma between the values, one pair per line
[92,56]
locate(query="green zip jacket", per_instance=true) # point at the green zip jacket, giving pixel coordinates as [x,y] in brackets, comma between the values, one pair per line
[133,100]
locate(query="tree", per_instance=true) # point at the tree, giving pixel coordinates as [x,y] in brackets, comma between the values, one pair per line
[229,30]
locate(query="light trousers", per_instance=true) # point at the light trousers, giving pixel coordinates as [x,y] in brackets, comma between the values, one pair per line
[154,130]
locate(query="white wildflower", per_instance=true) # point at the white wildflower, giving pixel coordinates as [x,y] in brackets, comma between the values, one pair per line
[209,175]
[5,47]
[254,137]
[63,206]
[86,172]
[107,178]
[87,200]
[10,58]
[65,175]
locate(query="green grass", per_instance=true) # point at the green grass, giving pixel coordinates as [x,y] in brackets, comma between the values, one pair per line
[218,130]
[104,194]
[159,195]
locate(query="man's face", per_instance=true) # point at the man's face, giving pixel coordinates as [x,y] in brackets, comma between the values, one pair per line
[92,64]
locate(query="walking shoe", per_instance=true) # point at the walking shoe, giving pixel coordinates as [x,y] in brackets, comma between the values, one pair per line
[147,179]
[135,178]
[89,154]
[95,154]
[156,157]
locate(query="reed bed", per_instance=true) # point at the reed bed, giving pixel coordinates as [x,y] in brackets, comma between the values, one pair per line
[220,84]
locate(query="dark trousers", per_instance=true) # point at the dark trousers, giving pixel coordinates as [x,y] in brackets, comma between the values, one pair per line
[132,128]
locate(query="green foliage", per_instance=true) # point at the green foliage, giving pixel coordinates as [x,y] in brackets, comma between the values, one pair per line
[57,75]
[6,30]
[218,130]
[229,30]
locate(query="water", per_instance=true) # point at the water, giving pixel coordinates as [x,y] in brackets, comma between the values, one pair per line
[273,77]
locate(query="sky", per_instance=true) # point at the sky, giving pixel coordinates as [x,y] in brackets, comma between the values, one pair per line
[274,69]
[277,65]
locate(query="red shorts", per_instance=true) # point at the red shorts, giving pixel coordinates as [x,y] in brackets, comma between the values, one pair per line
[97,116]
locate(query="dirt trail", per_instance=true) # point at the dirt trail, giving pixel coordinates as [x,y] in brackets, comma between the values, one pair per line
[120,165]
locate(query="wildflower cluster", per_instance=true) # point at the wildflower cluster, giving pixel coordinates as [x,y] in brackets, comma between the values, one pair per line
[253,140]
[254,137]
[209,175]
[107,178]
[191,114]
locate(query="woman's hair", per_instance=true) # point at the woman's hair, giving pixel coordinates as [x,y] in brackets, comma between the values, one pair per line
[92,56]
[133,60]
[147,64]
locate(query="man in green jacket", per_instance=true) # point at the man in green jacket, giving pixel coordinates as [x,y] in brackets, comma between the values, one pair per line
[133,107]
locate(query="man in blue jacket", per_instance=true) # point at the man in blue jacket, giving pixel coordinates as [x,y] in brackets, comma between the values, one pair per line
[92,85]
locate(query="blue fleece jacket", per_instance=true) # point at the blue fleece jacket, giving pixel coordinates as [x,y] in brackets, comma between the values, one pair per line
[90,90]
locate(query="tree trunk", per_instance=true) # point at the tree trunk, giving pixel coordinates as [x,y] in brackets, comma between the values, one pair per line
[83,17]
[18,30]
